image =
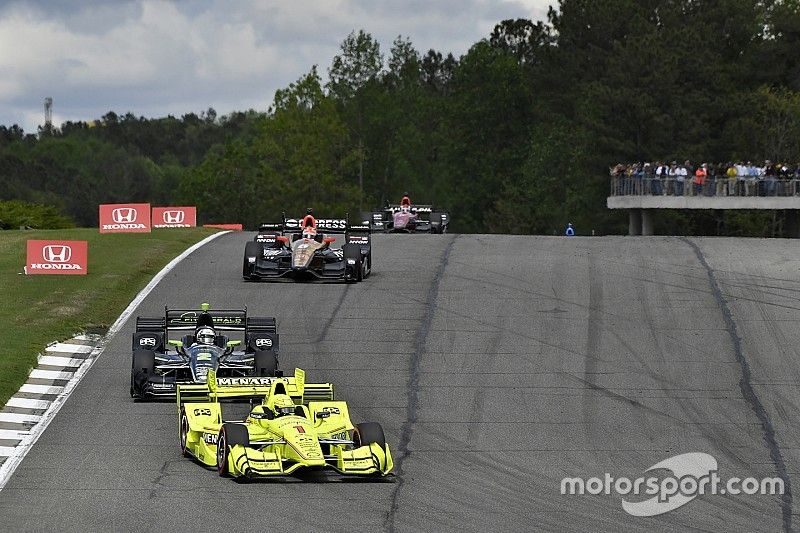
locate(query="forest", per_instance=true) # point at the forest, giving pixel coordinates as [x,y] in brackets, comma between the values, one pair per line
[515,136]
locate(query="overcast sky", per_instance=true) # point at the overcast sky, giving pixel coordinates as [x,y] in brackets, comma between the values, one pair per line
[156,58]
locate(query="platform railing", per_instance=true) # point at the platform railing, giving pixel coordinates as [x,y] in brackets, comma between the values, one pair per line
[748,186]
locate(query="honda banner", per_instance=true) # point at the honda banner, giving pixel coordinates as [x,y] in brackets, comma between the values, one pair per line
[124,218]
[174,217]
[57,257]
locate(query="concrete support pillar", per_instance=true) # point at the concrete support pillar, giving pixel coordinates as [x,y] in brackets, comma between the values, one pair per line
[647,221]
[792,229]
[634,222]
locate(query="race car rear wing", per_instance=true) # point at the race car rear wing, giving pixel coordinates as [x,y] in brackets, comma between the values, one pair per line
[414,208]
[249,388]
[187,319]
[326,225]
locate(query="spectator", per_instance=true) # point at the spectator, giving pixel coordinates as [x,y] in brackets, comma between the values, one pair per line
[750,178]
[770,176]
[689,176]
[638,176]
[673,178]
[660,177]
[682,173]
[731,173]
[700,179]
[797,179]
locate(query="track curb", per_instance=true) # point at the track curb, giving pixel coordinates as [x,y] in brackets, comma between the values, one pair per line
[28,413]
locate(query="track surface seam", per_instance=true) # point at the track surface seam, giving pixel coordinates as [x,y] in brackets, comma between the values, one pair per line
[413,383]
[748,392]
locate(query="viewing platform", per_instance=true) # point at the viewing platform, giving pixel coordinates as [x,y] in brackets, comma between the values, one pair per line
[642,196]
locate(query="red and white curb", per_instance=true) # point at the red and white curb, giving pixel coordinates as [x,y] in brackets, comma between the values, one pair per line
[28,413]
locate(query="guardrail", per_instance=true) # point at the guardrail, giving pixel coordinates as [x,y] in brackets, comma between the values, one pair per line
[747,186]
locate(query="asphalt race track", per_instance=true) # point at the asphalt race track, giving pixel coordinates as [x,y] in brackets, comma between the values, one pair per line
[497,365]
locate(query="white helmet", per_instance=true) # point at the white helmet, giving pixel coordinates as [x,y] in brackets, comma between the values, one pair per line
[205,336]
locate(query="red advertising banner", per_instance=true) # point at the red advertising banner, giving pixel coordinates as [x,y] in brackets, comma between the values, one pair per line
[124,218]
[174,217]
[57,257]
[234,227]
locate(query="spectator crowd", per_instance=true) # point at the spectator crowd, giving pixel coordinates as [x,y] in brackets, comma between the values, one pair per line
[706,179]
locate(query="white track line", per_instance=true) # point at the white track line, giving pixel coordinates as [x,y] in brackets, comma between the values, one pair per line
[17,453]
[68,348]
[60,361]
[50,374]
[12,434]
[27,403]
[41,389]
[18,418]
[7,451]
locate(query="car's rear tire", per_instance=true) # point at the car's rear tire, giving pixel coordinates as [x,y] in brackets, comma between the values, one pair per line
[229,435]
[265,363]
[367,433]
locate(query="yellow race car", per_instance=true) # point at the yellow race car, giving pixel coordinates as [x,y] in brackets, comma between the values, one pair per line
[297,425]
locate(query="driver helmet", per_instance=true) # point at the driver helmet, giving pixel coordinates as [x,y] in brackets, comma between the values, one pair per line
[282,405]
[309,232]
[405,209]
[205,336]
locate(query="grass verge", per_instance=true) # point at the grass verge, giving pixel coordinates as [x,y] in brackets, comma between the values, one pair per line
[35,310]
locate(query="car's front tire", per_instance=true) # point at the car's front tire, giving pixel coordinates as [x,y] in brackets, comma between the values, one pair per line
[352,252]
[368,432]
[142,366]
[251,249]
[184,433]
[229,435]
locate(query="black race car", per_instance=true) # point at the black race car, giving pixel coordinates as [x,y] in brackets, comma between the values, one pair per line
[301,249]
[406,218]
[160,363]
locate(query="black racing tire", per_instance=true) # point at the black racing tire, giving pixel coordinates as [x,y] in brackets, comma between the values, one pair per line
[368,261]
[144,361]
[251,249]
[229,435]
[142,365]
[436,223]
[265,363]
[367,433]
[184,433]
[353,251]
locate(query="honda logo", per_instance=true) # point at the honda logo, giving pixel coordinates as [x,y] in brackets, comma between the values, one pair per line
[124,215]
[54,253]
[174,217]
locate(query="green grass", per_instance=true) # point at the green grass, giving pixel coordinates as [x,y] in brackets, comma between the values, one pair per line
[36,310]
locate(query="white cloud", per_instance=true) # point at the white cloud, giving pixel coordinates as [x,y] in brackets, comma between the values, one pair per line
[153,57]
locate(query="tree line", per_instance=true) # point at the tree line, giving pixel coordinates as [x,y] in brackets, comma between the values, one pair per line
[517,135]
